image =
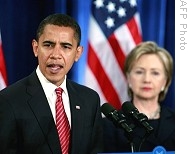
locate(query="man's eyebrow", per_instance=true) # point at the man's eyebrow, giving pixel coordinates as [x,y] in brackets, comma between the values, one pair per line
[62,43]
[66,43]
[50,42]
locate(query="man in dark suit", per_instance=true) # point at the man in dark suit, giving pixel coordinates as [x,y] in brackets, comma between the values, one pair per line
[27,107]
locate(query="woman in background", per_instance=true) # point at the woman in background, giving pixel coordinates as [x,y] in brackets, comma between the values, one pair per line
[148,69]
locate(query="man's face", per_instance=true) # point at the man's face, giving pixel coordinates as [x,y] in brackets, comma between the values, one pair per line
[56,51]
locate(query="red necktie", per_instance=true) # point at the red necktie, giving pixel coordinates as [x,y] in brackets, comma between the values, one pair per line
[62,122]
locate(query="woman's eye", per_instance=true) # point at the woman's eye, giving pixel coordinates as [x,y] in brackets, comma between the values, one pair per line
[138,72]
[155,73]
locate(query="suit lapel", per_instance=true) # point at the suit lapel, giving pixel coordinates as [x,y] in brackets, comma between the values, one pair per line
[42,112]
[77,113]
[164,128]
[166,124]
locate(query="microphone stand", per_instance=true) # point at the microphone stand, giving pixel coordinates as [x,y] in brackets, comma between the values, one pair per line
[147,133]
[128,132]
[130,140]
[132,147]
[130,137]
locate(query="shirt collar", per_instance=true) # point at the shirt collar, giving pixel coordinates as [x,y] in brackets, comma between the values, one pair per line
[49,88]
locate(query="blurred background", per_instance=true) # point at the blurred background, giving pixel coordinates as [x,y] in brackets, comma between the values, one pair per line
[19,20]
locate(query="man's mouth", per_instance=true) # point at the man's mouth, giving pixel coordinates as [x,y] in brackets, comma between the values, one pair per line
[55,68]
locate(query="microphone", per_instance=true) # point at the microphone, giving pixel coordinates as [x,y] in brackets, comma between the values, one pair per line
[116,117]
[140,118]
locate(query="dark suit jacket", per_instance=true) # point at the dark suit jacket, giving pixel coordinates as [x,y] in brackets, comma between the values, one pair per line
[115,139]
[27,125]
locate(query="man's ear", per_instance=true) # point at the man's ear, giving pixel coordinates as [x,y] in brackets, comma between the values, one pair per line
[35,47]
[79,53]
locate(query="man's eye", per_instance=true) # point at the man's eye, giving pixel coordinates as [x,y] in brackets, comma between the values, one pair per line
[47,45]
[66,47]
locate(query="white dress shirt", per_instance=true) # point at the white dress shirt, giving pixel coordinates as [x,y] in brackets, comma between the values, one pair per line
[49,90]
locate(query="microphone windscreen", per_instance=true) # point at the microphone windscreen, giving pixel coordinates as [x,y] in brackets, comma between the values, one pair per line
[106,108]
[128,107]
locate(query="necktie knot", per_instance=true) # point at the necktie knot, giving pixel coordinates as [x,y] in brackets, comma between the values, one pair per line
[59,91]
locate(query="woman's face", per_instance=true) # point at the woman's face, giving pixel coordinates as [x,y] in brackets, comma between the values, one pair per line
[147,77]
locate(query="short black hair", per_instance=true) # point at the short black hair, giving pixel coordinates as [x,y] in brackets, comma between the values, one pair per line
[60,20]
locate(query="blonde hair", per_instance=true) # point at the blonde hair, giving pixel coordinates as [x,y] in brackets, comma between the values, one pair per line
[150,47]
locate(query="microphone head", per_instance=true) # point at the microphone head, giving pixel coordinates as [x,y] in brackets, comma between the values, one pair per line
[106,108]
[117,118]
[128,107]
